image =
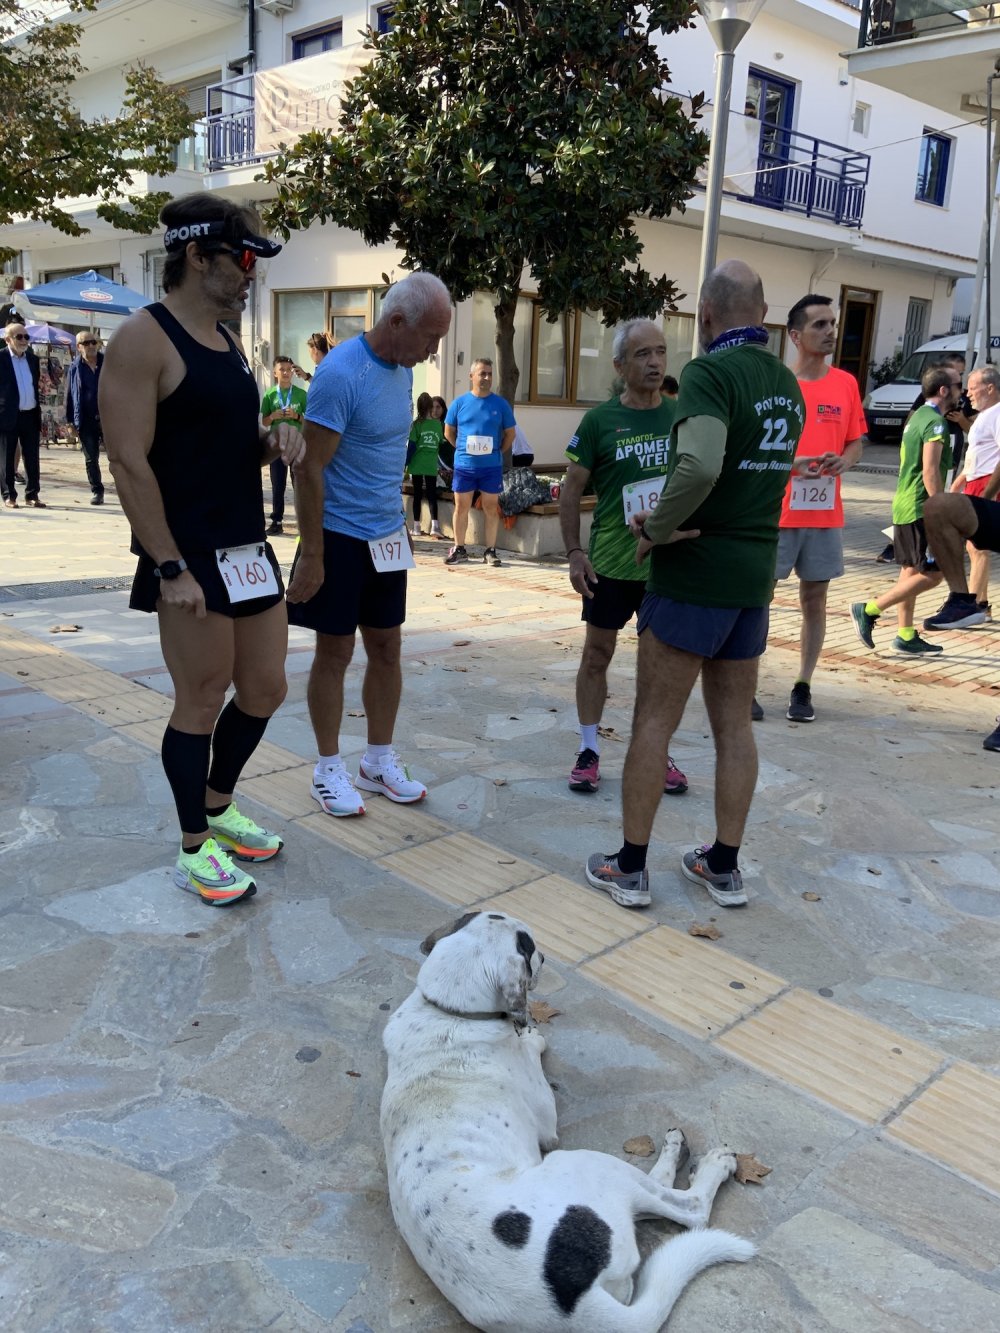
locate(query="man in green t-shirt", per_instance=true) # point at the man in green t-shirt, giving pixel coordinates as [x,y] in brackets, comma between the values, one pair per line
[738,420]
[924,459]
[620,448]
[282,402]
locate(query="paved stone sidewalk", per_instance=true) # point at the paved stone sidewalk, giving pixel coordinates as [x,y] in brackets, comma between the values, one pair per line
[190,1096]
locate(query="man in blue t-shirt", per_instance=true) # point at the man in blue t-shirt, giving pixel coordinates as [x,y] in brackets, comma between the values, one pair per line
[481,426]
[350,570]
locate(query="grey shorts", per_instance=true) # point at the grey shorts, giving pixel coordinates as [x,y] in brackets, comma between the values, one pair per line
[816,554]
[721,633]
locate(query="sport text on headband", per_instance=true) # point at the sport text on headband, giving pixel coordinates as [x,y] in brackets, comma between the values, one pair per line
[177,237]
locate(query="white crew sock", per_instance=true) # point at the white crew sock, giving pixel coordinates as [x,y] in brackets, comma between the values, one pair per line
[588,737]
[374,754]
[327,763]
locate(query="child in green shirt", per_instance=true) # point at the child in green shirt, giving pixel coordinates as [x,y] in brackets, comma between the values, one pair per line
[425,439]
[282,402]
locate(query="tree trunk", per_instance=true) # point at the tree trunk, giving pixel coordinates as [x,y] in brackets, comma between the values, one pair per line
[507,370]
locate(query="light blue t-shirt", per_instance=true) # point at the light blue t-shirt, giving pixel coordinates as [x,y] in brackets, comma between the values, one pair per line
[483,417]
[370,403]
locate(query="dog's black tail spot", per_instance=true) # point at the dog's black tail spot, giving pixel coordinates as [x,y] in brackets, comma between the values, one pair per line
[579,1249]
[513,1228]
[525,947]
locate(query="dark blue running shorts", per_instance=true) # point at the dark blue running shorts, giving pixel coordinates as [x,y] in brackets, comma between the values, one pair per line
[720,633]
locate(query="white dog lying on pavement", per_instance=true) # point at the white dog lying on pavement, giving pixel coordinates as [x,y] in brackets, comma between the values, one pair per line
[522,1244]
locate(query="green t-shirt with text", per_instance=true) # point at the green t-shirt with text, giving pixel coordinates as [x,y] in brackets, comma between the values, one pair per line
[758,400]
[426,436]
[619,445]
[274,400]
[926,426]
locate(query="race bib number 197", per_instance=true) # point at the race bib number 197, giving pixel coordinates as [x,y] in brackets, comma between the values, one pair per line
[638,496]
[246,572]
[392,552]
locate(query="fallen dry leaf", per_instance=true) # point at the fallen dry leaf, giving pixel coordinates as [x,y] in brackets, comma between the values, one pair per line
[461,643]
[499,782]
[64,629]
[350,714]
[609,734]
[454,668]
[641,1146]
[812,897]
[873,871]
[542,1012]
[352,1073]
[705,932]
[748,1170]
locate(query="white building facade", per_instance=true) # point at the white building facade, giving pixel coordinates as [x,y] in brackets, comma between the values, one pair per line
[835,184]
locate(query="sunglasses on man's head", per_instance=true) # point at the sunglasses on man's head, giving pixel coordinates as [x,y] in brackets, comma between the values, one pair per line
[243,259]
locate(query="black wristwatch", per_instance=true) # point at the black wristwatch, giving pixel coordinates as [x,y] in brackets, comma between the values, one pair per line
[170,569]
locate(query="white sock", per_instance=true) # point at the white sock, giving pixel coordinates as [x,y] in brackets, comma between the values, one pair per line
[588,737]
[328,763]
[374,754]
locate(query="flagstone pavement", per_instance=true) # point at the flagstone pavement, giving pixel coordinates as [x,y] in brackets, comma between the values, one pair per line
[190,1097]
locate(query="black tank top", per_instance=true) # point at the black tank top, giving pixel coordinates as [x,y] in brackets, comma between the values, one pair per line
[206,448]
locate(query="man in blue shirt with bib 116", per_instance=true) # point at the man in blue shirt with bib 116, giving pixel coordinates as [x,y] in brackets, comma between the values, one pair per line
[480,425]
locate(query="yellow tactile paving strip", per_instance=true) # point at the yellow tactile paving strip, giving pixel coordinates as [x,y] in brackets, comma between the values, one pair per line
[461,869]
[573,922]
[386,827]
[846,1061]
[685,981]
[956,1121]
[860,1067]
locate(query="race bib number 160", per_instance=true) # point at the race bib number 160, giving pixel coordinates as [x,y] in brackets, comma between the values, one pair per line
[246,572]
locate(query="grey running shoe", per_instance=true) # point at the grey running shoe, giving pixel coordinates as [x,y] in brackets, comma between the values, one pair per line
[727,890]
[863,623]
[959,611]
[916,646]
[800,708]
[992,741]
[756,712]
[456,555]
[627,890]
[490,556]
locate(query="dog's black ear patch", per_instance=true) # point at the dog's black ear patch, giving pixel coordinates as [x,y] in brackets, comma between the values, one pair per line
[442,931]
[496,916]
[525,947]
[579,1249]
[513,1228]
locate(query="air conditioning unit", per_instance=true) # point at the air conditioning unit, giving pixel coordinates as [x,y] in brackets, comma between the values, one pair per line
[276,7]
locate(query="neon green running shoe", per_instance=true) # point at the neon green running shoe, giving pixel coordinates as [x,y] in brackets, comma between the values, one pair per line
[242,837]
[211,874]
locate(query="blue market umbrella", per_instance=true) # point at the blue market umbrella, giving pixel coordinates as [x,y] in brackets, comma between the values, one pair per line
[90,292]
[48,333]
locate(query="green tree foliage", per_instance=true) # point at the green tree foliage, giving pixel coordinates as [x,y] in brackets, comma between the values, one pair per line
[49,154]
[487,139]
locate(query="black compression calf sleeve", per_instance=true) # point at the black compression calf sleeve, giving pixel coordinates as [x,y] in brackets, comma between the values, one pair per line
[185,762]
[234,740]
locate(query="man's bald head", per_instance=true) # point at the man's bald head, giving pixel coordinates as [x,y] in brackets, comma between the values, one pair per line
[732,296]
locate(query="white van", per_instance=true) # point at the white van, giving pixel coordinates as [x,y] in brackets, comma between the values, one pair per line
[887,407]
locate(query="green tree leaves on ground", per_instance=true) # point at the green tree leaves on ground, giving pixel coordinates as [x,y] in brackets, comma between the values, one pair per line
[486,139]
[49,154]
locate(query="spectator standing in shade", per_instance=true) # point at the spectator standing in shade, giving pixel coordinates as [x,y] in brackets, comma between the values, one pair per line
[83,420]
[284,401]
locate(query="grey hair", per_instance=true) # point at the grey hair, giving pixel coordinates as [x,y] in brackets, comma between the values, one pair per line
[413,296]
[622,335]
[988,374]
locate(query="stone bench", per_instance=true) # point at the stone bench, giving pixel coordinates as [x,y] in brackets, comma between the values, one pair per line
[535,531]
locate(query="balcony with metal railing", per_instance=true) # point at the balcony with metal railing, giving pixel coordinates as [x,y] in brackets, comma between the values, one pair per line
[229,128]
[904,20]
[803,174]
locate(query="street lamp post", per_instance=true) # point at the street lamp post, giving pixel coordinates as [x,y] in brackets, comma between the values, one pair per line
[728,21]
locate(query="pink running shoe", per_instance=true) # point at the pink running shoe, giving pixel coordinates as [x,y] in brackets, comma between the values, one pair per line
[675,783]
[587,772]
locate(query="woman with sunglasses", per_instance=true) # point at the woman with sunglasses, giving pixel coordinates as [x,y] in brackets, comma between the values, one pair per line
[179,408]
[319,345]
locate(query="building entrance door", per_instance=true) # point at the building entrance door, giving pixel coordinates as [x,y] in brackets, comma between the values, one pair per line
[856,333]
[773,102]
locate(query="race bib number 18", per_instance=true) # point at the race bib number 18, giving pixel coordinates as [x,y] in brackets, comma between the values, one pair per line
[813,493]
[392,552]
[638,496]
[246,572]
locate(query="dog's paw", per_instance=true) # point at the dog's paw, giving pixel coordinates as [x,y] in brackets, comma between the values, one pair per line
[674,1141]
[716,1159]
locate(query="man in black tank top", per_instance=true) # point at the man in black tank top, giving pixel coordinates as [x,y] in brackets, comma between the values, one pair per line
[179,404]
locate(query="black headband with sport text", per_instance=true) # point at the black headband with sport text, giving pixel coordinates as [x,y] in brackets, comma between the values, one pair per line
[177,237]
